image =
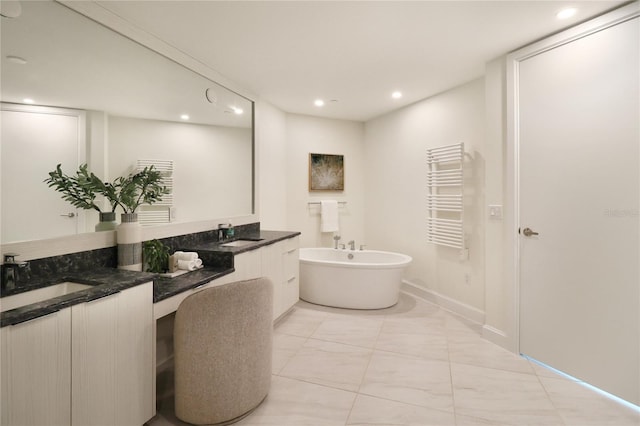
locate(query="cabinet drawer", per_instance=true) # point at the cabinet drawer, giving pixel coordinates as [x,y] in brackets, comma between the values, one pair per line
[291,244]
[291,264]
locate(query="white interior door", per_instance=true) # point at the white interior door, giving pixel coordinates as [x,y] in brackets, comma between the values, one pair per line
[579,190]
[30,209]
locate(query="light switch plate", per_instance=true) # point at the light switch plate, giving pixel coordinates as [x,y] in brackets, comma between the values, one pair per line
[495,211]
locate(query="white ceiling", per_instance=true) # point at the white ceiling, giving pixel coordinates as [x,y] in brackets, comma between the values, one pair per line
[355,52]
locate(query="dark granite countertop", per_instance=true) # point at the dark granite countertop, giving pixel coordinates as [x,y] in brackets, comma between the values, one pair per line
[104,282]
[259,239]
[165,287]
[219,257]
[218,262]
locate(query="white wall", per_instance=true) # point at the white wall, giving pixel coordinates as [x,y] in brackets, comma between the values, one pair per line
[395,186]
[307,135]
[499,301]
[271,166]
[208,180]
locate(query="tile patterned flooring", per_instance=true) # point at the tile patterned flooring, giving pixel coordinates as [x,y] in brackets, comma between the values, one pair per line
[411,364]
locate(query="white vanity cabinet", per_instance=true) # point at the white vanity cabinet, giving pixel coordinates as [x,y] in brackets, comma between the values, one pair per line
[280,265]
[247,265]
[112,350]
[291,273]
[277,261]
[36,371]
[271,267]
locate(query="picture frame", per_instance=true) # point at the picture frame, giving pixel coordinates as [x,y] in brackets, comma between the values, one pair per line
[326,172]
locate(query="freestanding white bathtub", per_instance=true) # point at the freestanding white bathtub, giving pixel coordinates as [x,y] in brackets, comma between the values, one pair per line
[355,279]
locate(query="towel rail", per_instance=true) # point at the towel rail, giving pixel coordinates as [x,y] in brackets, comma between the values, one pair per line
[445,198]
[160,212]
[318,203]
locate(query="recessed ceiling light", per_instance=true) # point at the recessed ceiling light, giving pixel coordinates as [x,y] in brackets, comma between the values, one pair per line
[318,102]
[28,101]
[566,13]
[237,110]
[184,116]
[10,8]
[396,95]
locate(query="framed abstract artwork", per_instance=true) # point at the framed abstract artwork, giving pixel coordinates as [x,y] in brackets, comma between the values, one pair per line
[326,172]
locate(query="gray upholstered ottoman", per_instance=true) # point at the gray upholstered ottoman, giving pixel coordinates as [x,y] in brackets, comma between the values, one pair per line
[222,342]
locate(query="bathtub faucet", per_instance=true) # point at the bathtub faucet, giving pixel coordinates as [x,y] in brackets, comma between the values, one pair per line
[352,244]
[336,238]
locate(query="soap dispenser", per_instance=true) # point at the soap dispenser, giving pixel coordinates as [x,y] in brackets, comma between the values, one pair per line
[222,231]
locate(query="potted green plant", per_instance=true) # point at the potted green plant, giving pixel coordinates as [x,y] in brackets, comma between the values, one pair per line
[129,192]
[142,187]
[81,191]
[156,256]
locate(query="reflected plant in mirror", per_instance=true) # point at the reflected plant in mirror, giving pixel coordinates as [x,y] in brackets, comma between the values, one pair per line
[127,192]
[143,187]
[80,190]
[124,105]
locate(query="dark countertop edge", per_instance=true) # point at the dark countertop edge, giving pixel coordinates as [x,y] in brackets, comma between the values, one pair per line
[262,239]
[103,280]
[164,287]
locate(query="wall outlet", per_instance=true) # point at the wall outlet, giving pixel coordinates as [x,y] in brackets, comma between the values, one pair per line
[463,255]
[495,211]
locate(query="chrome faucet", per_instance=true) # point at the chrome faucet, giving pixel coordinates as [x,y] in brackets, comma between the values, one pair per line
[336,238]
[11,271]
[352,244]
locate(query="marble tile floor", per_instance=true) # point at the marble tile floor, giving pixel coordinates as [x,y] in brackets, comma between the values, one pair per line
[411,364]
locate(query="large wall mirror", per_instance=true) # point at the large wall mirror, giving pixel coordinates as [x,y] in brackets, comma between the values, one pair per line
[74,92]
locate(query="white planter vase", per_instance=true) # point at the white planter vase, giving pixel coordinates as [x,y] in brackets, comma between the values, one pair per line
[107,222]
[129,239]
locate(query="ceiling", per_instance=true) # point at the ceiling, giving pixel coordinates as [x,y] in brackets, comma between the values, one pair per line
[352,54]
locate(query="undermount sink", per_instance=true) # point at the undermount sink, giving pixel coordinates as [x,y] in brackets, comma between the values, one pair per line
[239,243]
[34,296]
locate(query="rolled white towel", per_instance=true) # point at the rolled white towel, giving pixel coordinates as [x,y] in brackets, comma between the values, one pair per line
[186,255]
[198,263]
[187,265]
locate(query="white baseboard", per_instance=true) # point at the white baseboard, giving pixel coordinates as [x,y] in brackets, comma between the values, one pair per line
[455,306]
[490,333]
[496,336]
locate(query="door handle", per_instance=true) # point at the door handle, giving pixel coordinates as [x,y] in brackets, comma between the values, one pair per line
[528,232]
[72,214]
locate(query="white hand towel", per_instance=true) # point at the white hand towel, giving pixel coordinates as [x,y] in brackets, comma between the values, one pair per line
[198,263]
[187,265]
[186,255]
[329,215]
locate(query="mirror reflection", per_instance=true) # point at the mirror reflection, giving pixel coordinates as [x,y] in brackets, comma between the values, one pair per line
[75,92]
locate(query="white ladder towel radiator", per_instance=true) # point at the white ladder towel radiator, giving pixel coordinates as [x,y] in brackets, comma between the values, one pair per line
[445,198]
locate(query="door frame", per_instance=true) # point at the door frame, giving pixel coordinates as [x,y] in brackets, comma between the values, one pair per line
[512,154]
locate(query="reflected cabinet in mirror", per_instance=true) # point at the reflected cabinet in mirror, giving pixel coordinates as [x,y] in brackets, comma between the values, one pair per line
[76,92]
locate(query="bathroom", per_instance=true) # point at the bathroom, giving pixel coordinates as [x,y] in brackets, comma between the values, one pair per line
[384,197]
